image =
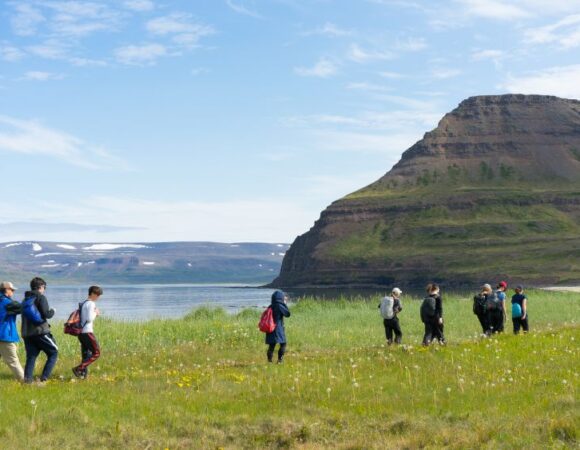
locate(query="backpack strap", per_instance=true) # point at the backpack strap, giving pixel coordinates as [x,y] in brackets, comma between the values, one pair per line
[81,313]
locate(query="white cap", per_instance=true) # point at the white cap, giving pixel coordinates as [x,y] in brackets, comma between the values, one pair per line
[396,291]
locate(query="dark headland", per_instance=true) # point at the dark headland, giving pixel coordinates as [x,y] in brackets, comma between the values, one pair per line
[492,192]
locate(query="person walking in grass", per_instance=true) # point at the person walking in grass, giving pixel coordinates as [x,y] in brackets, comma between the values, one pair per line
[390,307]
[36,333]
[480,309]
[280,310]
[432,315]
[9,308]
[520,310]
[499,315]
[90,350]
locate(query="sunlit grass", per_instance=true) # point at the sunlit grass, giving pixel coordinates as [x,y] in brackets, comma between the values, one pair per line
[202,382]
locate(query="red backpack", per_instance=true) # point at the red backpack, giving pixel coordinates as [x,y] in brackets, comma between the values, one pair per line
[267,324]
[73,325]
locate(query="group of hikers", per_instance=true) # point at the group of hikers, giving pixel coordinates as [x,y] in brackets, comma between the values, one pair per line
[489,305]
[35,329]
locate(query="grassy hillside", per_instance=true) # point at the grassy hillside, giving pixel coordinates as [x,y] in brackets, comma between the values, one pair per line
[202,382]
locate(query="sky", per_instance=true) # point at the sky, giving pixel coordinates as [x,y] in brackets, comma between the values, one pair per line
[241,120]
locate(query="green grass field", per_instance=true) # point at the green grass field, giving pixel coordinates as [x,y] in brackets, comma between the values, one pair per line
[203,382]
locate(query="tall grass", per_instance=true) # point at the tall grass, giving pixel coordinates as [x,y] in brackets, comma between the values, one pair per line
[202,382]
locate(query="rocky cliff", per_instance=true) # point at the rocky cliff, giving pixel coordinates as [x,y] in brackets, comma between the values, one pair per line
[493,192]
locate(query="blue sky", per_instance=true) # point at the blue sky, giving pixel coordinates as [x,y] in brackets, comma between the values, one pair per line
[240,120]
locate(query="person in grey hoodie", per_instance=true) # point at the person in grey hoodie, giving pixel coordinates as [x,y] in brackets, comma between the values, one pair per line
[37,336]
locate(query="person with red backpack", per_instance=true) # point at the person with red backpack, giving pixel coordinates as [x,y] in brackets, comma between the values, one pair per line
[278,336]
[90,349]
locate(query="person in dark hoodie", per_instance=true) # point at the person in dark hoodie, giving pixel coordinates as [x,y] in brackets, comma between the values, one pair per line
[37,336]
[434,323]
[278,336]
[9,308]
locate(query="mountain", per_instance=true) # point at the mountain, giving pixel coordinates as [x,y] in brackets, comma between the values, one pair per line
[168,262]
[492,193]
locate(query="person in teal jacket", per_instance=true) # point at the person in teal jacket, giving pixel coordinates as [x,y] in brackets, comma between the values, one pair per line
[8,332]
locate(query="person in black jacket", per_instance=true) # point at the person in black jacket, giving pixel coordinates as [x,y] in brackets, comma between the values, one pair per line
[37,337]
[434,324]
[278,336]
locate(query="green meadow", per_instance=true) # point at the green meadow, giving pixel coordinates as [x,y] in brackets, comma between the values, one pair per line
[203,382]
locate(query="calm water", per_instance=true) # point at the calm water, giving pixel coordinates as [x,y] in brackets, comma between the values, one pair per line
[144,302]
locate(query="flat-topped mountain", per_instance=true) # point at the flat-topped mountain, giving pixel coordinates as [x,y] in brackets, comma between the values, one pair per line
[493,192]
[164,263]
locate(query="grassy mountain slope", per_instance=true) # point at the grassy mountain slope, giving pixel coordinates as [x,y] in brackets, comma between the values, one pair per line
[493,192]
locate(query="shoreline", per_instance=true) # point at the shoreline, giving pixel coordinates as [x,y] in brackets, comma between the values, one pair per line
[562,288]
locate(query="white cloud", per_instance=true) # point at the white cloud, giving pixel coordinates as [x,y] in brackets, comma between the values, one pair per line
[180,27]
[357,54]
[324,68]
[496,56]
[240,8]
[565,33]
[487,54]
[140,55]
[371,87]
[50,49]
[42,76]
[494,9]
[32,138]
[329,30]
[411,44]
[559,81]
[392,75]
[258,220]
[11,54]
[443,73]
[26,19]
[139,5]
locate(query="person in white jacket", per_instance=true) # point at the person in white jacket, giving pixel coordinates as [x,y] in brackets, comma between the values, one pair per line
[90,349]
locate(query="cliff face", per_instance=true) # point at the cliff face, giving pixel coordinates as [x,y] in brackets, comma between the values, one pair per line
[493,192]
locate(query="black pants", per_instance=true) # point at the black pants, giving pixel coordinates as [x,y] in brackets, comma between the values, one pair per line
[496,320]
[484,321]
[433,330]
[281,351]
[523,323]
[34,345]
[392,326]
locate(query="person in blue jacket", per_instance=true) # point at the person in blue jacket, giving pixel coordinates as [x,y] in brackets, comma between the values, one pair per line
[8,331]
[278,336]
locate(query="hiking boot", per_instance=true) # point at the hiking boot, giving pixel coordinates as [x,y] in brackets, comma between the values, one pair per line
[78,372]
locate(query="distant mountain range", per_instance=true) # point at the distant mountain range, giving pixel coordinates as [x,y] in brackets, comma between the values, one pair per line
[166,262]
[492,193]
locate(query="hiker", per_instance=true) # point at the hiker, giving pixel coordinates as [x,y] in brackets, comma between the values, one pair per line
[480,309]
[520,310]
[432,315]
[493,308]
[36,332]
[390,307]
[278,336]
[498,316]
[9,308]
[90,350]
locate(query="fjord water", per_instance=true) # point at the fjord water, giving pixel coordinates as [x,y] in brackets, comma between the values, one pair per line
[154,301]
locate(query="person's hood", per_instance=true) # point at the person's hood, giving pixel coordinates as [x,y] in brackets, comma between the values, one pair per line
[278,297]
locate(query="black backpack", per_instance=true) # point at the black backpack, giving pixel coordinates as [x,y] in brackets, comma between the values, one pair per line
[479,304]
[428,309]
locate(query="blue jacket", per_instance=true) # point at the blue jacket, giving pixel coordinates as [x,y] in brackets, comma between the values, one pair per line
[279,311]
[8,330]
